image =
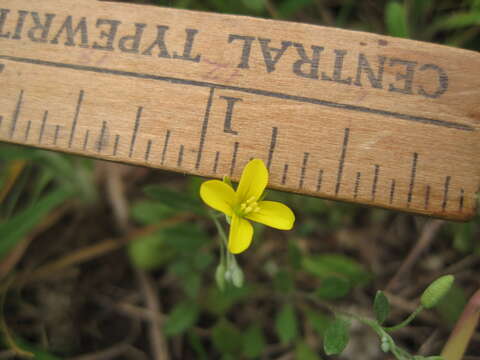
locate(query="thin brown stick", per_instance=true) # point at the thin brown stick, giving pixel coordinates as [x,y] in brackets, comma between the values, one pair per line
[91,252]
[429,232]
[158,342]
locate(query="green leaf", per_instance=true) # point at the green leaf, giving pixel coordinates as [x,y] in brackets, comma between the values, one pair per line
[305,352]
[288,8]
[381,307]
[181,318]
[218,302]
[327,265]
[226,338]
[253,342]
[319,321]
[452,305]
[150,212]
[333,287]
[458,21]
[256,6]
[150,252]
[336,337]
[396,20]
[286,324]
[176,200]
[16,228]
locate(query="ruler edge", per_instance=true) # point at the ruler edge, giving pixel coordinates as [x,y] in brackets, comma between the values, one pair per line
[468,216]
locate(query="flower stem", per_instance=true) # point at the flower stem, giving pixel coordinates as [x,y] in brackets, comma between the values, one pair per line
[405,322]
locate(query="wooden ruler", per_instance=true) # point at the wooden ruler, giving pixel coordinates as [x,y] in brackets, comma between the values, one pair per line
[337,114]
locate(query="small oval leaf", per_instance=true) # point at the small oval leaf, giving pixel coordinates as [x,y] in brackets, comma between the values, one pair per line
[381,307]
[336,337]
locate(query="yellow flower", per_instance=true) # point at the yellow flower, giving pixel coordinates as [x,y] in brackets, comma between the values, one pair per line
[245,204]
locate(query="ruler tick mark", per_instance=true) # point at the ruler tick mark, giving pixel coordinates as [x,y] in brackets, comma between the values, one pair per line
[75,118]
[342,160]
[55,137]
[357,185]
[2,66]
[27,130]
[42,127]
[165,146]
[147,151]
[85,140]
[285,172]
[445,193]
[273,143]
[375,181]
[135,131]
[215,163]
[303,170]
[234,157]
[412,179]
[319,181]
[115,145]
[16,114]
[203,132]
[180,156]
[392,191]
[461,200]
[101,138]
[427,197]
[1,120]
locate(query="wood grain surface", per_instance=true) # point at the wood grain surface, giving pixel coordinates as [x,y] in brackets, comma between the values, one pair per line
[337,114]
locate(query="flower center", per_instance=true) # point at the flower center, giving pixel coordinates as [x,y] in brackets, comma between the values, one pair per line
[248,207]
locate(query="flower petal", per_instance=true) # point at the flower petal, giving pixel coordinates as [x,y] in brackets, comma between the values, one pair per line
[240,237]
[253,182]
[218,195]
[273,214]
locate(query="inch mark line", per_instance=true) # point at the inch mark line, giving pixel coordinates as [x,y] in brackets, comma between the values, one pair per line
[165,146]
[341,163]
[135,131]
[392,191]
[42,127]
[16,114]
[304,169]
[27,130]
[180,156]
[427,197]
[115,145]
[445,193]
[285,172]
[357,185]
[375,181]
[101,139]
[319,181]
[147,151]
[273,143]
[57,132]
[234,157]
[461,200]
[75,118]
[1,120]
[85,140]
[203,132]
[215,163]
[172,80]
[412,179]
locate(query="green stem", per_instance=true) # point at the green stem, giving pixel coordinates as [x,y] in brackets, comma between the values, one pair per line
[405,322]
[226,257]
